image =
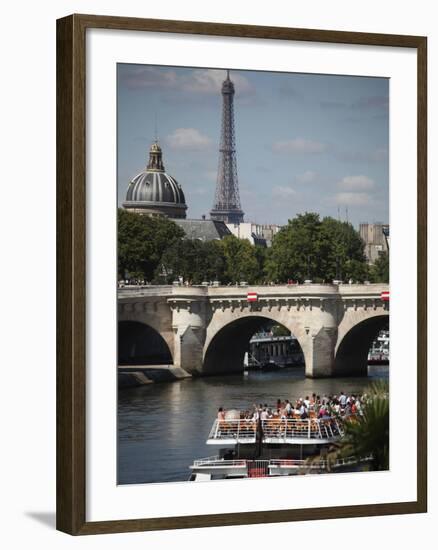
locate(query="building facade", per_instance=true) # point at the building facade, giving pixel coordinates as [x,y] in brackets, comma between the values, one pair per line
[260,234]
[376,239]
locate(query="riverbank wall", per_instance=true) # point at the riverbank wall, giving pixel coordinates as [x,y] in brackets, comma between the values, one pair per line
[139,375]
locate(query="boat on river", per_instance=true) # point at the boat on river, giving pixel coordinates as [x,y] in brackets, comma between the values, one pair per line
[271,447]
[379,352]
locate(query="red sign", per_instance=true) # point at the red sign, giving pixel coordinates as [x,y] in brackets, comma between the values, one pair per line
[384,295]
[251,297]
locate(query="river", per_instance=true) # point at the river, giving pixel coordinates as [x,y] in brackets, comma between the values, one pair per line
[163,427]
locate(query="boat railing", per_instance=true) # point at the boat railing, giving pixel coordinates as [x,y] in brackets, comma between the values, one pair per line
[277,463]
[313,464]
[218,461]
[240,430]
[278,429]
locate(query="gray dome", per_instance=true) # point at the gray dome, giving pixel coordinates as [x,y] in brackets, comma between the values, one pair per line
[155,187]
[154,192]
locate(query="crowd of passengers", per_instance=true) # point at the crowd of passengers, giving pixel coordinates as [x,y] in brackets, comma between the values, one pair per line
[313,406]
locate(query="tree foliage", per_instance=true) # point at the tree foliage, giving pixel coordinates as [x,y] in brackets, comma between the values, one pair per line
[155,249]
[141,241]
[240,259]
[193,260]
[379,271]
[369,436]
[321,250]
[229,260]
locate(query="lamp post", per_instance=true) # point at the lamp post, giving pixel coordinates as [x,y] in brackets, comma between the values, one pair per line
[338,269]
[308,267]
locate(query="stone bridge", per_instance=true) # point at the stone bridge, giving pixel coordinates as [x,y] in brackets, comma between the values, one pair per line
[206,330]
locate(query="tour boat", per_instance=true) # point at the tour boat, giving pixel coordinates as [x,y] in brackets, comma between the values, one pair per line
[379,352]
[272,447]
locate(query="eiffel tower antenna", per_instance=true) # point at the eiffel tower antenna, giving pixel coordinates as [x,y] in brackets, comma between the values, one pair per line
[227,200]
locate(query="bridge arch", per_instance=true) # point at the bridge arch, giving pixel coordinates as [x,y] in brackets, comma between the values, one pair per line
[141,344]
[225,348]
[351,354]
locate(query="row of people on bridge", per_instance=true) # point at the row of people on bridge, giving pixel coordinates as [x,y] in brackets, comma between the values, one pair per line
[313,406]
[181,282]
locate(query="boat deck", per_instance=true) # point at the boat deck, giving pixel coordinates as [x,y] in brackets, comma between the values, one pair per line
[214,465]
[276,431]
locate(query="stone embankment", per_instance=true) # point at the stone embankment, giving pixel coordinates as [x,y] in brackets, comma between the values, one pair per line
[140,375]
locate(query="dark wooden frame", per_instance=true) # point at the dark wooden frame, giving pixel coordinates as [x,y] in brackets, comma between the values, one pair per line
[71,231]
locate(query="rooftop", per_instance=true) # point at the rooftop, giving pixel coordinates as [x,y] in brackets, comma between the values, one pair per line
[204,230]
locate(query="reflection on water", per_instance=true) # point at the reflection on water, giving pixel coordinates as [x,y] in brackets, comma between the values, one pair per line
[162,428]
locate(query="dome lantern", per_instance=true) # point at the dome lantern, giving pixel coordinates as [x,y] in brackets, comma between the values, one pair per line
[155,158]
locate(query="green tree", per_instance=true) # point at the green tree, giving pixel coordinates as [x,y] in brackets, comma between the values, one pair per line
[379,271]
[342,252]
[295,249]
[241,260]
[141,240]
[261,253]
[321,250]
[194,260]
[213,261]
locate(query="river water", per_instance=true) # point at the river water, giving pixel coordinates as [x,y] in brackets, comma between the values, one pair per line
[163,427]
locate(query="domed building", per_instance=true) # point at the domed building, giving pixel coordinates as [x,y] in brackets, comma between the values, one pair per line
[153,192]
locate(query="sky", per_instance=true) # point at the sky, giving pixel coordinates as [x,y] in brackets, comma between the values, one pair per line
[305,142]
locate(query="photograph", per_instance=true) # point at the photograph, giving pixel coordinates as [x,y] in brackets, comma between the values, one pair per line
[220,265]
[253,246]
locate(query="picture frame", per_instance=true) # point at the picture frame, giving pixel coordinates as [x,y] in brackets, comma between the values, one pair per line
[72,269]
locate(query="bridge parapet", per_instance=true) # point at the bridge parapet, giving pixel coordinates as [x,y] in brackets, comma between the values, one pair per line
[130,292]
[262,290]
[274,290]
[372,290]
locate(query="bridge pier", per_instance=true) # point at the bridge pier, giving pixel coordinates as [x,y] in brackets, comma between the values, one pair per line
[320,361]
[188,348]
[189,320]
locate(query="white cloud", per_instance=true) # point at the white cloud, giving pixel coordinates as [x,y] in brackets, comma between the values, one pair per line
[140,77]
[188,139]
[283,192]
[299,145]
[209,81]
[353,199]
[307,177]
[202,81]
[356,183]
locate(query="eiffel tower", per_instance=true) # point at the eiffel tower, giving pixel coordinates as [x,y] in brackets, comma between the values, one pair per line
[227,201]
